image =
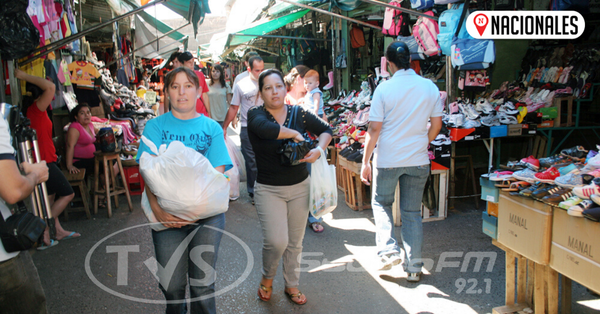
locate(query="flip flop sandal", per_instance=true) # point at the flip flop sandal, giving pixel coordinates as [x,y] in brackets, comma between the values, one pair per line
[315,227]
[505,183]
[296,295]
[266,290]
[517,186]
[43,246]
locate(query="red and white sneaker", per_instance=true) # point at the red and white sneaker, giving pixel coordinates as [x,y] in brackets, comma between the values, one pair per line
[548,176]
[532,163]
[585,192]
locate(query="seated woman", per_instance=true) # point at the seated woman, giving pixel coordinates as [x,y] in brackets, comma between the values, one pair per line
[80,140]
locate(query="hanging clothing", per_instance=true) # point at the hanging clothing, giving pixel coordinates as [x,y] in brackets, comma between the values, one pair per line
[63,73]
[82,73]
[122,77]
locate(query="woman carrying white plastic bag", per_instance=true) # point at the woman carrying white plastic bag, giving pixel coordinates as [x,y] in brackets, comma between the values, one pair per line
[199,239]
[323,187]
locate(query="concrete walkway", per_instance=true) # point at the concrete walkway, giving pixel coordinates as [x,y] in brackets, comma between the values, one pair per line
[89,275]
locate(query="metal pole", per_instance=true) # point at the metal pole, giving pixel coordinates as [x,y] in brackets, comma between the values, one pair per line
[332,14]
[57,44]
[409,11]
[15,85]
[279,36]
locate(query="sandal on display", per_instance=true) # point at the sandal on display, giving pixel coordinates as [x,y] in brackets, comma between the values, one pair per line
[267,292]
[296,297]
[505,183]
[517,186]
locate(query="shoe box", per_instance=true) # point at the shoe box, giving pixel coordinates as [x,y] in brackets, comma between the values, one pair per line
[489,224]
[525,226]
[575,250]
[546,124]
[489,191]
[533,118]
[529,129]
[549,113]
[515,130]
[457,134]
[442,155]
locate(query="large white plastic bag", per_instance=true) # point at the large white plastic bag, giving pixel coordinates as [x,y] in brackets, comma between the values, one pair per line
[234,173]
[323,187]
[236,158]
[234,182]
[184,182]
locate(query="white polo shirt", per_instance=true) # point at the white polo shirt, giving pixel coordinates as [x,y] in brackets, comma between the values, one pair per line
[245,95]
[404,104]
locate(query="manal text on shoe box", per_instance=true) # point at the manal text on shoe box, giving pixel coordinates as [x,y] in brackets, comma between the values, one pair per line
[575,250]
[525,226]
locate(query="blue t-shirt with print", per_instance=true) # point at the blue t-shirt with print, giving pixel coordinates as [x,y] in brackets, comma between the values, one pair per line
[202,134]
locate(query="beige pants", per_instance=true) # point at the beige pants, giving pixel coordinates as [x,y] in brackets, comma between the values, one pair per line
[282,211]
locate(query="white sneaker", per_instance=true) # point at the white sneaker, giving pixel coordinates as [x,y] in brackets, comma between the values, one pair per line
[491,120]
[413,277]
[469,111]
[508,108]
[469,124]
[389,261]
[440,140]
[483,105]
[506,119]
[456,120]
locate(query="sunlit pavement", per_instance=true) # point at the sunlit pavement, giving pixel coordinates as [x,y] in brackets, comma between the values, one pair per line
[110,269]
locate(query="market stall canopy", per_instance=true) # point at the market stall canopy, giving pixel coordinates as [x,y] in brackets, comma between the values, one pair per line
[156,48]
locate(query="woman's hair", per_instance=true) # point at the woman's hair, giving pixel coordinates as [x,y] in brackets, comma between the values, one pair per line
[219,68]
[264,74]
[75,111]
[33,92]
[170,77]
[398,54]
[290,79]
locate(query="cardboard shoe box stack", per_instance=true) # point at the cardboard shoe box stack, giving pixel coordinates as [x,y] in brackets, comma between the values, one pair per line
[490,193]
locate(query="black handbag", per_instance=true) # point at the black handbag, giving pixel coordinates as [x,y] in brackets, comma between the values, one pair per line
[20,231]
[292,152]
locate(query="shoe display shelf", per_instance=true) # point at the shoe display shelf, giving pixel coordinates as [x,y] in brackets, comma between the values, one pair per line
[440,183]
[542,242]
[355,192]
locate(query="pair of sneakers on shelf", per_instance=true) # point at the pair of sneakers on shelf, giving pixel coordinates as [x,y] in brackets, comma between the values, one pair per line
[353,152]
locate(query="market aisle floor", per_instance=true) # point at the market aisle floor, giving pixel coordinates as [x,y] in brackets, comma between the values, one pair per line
[110,268]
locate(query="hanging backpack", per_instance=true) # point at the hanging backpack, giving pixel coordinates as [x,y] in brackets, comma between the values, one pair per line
[421,4]
[471,54]
[416,52]
[357,37]
[394,21]
[425,32]
[448,23]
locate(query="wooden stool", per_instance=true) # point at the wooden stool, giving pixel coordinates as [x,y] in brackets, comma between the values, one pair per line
[78,180]
[107,159]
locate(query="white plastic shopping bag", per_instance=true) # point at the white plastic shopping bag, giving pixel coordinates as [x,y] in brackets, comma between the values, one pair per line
[184,182]
[236,157]
[234,172]
[323,187]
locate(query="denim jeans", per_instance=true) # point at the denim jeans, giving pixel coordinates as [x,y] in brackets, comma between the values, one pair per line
[20,286]
[412,183]
[190,250]
[249,159]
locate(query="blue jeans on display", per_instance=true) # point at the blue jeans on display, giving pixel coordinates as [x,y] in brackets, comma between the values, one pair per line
[412,183]
[196,247]
[249,159]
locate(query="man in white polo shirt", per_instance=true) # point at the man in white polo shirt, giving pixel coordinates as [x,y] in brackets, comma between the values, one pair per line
[20,286]
[400,110]
[245,96]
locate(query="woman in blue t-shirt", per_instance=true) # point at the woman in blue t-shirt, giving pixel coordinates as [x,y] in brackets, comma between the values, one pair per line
[182,238]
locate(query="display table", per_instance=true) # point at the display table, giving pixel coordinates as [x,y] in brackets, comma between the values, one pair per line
[545,241]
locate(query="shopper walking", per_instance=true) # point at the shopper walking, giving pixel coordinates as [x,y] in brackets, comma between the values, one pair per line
[245,74]
[60,192]
[219,94]
[20,286]
[294,82]
[204,135]
[282,192]
[400,110]
[245,96]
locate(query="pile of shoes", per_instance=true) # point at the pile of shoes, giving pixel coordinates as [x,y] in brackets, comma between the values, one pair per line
[463,114]
[569,180]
